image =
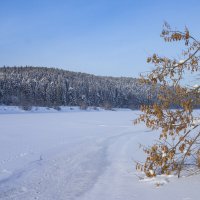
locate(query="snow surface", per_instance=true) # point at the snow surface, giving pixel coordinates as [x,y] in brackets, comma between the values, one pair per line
[80,156]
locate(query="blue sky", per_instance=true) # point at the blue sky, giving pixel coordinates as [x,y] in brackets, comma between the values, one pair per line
[102,37]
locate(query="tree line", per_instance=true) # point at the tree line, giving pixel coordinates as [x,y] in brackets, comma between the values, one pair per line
[40,86]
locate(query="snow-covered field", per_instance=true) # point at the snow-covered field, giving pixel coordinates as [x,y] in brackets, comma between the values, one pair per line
[80,155]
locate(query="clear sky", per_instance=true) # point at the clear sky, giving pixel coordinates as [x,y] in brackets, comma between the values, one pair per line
[103,37]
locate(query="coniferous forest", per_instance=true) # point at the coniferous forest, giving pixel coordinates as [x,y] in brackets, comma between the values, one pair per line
[40,86]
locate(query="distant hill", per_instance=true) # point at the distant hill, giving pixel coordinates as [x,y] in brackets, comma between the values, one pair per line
[40,86]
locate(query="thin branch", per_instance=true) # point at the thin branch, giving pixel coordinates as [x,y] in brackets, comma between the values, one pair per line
[188,150]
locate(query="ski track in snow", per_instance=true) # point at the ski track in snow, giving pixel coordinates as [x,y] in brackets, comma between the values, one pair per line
[67,176]
[78,156]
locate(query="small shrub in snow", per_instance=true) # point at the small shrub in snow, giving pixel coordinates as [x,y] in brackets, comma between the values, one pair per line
[107,106]
[83,106]
[26,107]
[58,108]
[95,108]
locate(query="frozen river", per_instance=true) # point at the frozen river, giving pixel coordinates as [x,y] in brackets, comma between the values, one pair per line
[79,155]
